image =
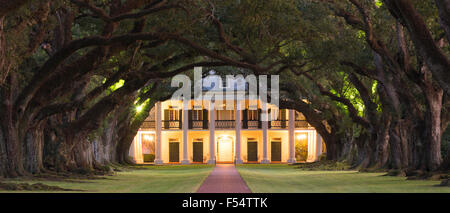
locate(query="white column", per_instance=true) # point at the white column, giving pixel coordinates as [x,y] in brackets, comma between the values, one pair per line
[318,145]
[265,119]
[312,149]
[158,123]
[291,136]
[185,133]
[212,139]
[238,132]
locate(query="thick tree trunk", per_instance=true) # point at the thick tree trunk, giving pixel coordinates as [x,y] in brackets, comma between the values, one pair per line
[80,153]
[399,145]
[104,146]
[332,141]
[332,151]
[56,153]
[124,147]
[33,150]
[129,128]
[433,133]
[3,158]
[13,162]
[382,144]
[83,155]
[10,143]
[127,131]
[334,147]
[364,151]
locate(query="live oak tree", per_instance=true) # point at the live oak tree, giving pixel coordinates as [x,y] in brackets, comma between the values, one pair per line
[68,102]
[370,76]
[407,134]
[62,93]
[397,107]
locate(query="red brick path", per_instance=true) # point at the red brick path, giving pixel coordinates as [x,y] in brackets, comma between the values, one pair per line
[224,179]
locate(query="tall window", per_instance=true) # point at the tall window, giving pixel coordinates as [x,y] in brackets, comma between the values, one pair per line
[174,115]
[275,114]
[197,115]
[252,115]
[225,115]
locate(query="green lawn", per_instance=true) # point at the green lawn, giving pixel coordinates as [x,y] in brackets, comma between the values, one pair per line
[148,179]
[289,179]
[260,178]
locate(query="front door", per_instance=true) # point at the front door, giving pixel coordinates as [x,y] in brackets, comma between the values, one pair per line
[252,151]
[225,150]
[275,151]
[198,152]
[174,152]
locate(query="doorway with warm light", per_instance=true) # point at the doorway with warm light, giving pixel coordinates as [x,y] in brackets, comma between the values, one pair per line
[225,150]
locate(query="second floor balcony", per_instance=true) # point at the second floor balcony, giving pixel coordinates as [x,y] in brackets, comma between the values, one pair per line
[172,119]
[172,124]
[224,124]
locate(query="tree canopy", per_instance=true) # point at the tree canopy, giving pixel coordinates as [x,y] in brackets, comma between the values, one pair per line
[371,76]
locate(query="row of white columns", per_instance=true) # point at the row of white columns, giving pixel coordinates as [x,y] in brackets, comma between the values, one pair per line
[158,120]
[185,133]
[265,126]
[212,129]
[291,130]
[238,133]
[317,149]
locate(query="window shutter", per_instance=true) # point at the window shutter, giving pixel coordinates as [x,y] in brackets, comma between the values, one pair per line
[259,119]
[283,118]
[190,122]
[166,119]
[205,119]
[269,116]
[180,116]
[245,119]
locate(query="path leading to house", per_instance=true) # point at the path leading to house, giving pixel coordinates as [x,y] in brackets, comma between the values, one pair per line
[224,179]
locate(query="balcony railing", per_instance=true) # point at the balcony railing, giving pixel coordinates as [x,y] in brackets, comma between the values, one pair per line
[278,124]
[148,125]
[198,124]
[225,124]
[251,124]
[172,124]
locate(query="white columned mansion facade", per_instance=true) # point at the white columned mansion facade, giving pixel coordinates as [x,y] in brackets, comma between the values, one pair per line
[206,133]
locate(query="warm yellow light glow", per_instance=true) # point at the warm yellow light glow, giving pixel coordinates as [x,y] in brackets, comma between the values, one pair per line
[225,148]
[148,137]
[139,108]
[301,136]
[225,137]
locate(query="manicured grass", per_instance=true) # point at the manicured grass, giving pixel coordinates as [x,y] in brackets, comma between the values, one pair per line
[290,179]
[148,179]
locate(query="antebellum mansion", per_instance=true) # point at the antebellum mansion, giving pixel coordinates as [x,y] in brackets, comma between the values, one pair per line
[237,133]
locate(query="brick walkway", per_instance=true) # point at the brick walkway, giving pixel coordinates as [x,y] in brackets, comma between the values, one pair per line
[224,179]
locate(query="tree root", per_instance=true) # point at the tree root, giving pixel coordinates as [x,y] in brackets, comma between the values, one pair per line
[396,172]
[423,175]
[445,182]
[31,187]
[325,165]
